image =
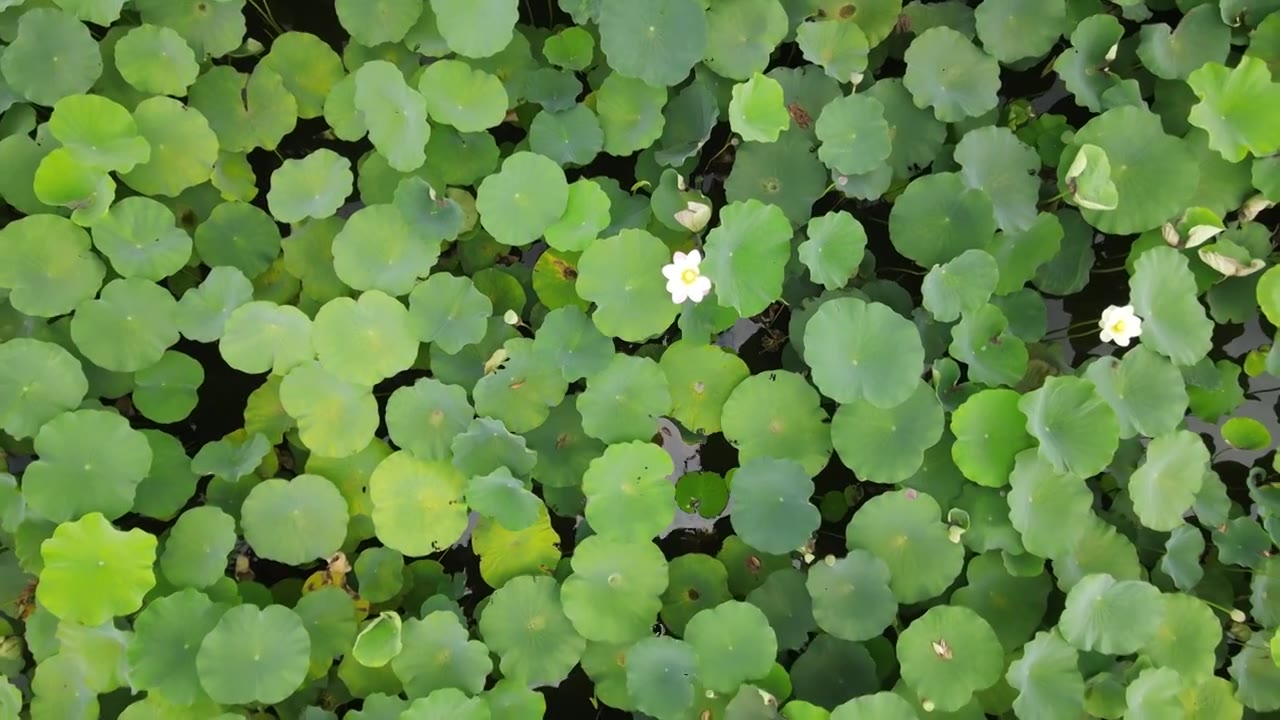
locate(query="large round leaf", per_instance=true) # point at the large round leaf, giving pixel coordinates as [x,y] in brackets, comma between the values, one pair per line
[38,382]
[733,643]
[660,674]
[990,431]
[904,530]
[395,114]
[156,60]
[746,255]
[311,187]
[142,239]
[294,521]
[887,445]
[518,203]
[947,73]
[260,336]
[1164,487]
[365,340]
[1048,680]
[377,249]
[851,595]
[404,490]
[771,508]
[49,265]
[657,42]
[1146,390]
[863,351]
[1237,108]
[525,625]
[128,327]
[52,56]
[1077,430]
[94,572]
[778,414]
[1116,617]
[624,400]
[948,654]
[425,417]
[98,132]
[438,653]
[468,99]
[166,639]
[90,461]
[938,217]
[254,655]
[622,275]
[628,494]
[854,135]
[614,592]
[335,418]
[476,29]
[1164,294]
[1052,510]
[183,148]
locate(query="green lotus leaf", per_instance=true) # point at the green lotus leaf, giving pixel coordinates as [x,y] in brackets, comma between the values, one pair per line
[52,56]
[1154,174]
[503,497]
[757,111]
[365,340]
[313,187]
[62,181]
[50,267]
[487,446]
[624,400]
[505,554]
[771,510]
[1116,617]
[554,276]
[1236,108]
[336,418]
[1163,293]
[141,238]
[1256,673]
[854,135]
[382,21]
[195,553]
[832,671]
[572,48]
[630,113]
[204,310]
[778,414]
[1048,680]
[938,217]
[863,351]
[1145,389]
[948,654]
[94,572]
[404,489]
[688,121]
[523,390]
[446,704]
[380,574]
[990,432]
[128,327]
[211,28]
[469,100]
[449,311]
[660,676]
[1084,66]
[851,595]
[996,162]
[260,337]
[1048,507]
[254,655]
[733,643]
[377,249]
[329,615]
[1181,561]
[39,381]
[833,249]
[885,705]
[98,132]
[524,625]
[162,653]
[1098,549]
[697,582]
[167,392]
[701,379]
[1188,635]
[1013,605]
[232,458]
[961,286]
[379,641]
[1077,430]
[839,48]
[1222,396]
[1241,541]
[657,42]
[994,355]
[1245,433]
[860,432]
[570,137]
[476,29]
[520,202]
[1200,38]
[437,216]
[394,112]
[439,654]
[1164,487]
[904,529]
[946,72]
[628,494]
[622,275]
[245,111]
[156,60]
[308,67]
[785,174]
[183,148]
[294,521]
[98,12]
[1012,31]
[614,592]
[425,417]
[746,254]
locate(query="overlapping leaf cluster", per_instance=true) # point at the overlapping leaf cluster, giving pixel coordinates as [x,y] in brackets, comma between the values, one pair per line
[450,305]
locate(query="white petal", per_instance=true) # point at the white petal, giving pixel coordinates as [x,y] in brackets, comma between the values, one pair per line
[678,259]
[696,293]
[1106,335]
[671,272]
[695,258]
[675,285]
[1135,326]
[1122,340]
[679,294]
[702,284]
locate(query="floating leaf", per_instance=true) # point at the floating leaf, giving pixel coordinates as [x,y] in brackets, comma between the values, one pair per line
[657,42]
[628,494]
[50,267]
[1164,487]
[733,643]
[53,56]
[94,572]
[938,217]
[863,351]
[855,139]
[905,530]
[1078,431]
[1237,108]
[395,114]
[613,593]
[295,521]
[476,29]
[313,187]
[860,432]
[403,489]
[947,73]
[833,249]
[183,148]
[851,596]
[948,654]
[254,655]
[1163,293]
[778,414]
[622,275]
[756,110]
[1047,678]
[525,625]
[260,337]
[336,418]
[468,99]
[1116,617]
[156,60]
[38,382]
[771,511]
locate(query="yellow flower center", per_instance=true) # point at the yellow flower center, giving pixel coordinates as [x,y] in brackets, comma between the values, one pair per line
[1117,327]
[688,276]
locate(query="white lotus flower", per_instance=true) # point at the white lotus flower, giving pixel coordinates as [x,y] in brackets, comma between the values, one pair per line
[1120,325]
[684,280]
[694,217]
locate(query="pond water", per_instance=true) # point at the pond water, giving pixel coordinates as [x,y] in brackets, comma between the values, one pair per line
[225,390]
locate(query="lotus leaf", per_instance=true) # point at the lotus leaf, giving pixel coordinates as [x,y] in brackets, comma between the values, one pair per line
[904,529]
[403,489]
[525,625]
[863,351]
[254,655]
